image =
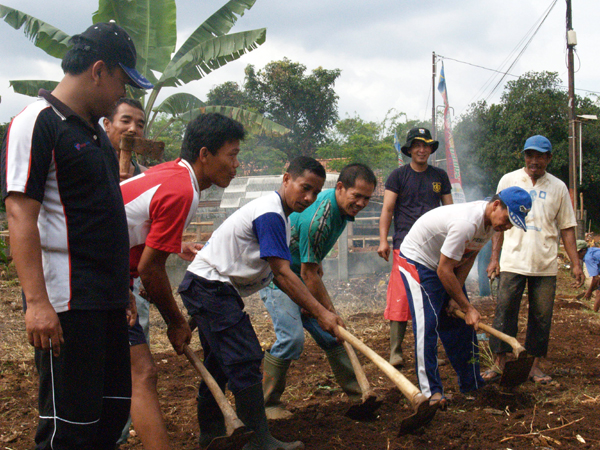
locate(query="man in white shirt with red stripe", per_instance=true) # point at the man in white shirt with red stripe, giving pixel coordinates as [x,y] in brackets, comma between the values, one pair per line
[160,203]
[435,259]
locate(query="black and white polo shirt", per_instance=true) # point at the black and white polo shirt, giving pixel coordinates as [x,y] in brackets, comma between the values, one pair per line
[53,156]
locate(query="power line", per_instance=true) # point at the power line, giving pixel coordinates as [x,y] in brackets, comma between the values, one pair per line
[524,48]
[474,65]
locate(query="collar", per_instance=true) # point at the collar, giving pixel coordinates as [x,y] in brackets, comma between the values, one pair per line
[540,179]
[188,166]
[63,110]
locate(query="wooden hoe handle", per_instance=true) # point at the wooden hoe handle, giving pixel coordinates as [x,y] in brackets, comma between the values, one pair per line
[231,420]
[126,145]
[517,347]
[409,390]
[359,372]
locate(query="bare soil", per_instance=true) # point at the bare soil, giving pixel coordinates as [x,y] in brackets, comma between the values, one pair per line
[561,415]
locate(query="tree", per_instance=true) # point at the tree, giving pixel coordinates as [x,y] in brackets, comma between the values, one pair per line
[152,26]
[304,103]
[227,94]
[356,141]
[489,138]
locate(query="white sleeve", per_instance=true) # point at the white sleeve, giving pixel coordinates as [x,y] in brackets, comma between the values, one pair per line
[459,234]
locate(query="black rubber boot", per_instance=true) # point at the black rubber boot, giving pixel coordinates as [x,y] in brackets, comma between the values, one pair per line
[274,372]
[344,372]
[210,418]
[250,407]
[397,332]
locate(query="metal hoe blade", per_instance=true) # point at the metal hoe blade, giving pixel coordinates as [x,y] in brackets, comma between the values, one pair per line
[364,411]
[424,415]
[235,441]
[516,372]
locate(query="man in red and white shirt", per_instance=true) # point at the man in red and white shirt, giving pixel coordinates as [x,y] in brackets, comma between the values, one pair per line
[160,203]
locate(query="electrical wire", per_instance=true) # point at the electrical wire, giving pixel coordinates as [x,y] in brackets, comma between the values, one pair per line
[551,7]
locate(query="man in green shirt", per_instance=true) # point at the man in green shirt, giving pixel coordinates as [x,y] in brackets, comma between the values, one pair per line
[314,232]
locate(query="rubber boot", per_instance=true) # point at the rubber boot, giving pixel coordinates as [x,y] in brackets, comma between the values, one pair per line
[343,372]
[274,371]
[250,407]
[397,331]
[210,418]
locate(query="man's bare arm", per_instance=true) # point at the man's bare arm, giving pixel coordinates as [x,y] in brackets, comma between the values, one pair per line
[289,283]
[447,199]
[314,283]
[385,220]
[493,267]
[462,271]
[446,273]
[41,321]
[570,243]
[152,269]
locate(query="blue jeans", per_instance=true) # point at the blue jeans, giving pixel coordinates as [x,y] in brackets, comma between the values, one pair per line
[289,326]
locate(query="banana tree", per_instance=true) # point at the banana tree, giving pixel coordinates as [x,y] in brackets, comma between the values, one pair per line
[152,26]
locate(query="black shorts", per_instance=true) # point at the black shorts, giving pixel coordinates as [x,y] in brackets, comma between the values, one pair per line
[85,393]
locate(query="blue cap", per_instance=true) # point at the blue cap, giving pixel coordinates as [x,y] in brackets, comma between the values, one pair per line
[518,202]
[538,143]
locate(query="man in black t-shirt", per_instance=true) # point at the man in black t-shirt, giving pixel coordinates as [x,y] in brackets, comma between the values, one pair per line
[68,234]
[410,191]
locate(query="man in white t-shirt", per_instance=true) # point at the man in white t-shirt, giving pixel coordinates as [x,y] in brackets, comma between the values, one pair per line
[248,251]
[435,259]
[532,258]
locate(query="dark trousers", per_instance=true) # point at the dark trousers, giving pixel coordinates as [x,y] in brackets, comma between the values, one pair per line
[232,353]
[85,392]
[541,292]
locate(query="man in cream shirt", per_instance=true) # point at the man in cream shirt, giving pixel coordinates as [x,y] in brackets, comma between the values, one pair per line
[531,258]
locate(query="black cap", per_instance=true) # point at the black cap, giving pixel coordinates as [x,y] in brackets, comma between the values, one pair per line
[113,45]
[419,134]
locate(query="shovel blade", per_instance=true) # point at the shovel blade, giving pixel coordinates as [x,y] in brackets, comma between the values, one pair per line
[235,441]
[364,411]
[516,372]
[424,415]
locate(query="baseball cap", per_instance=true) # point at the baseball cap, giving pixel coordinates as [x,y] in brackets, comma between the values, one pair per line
[581,244]
[419,134]
[113,44]
[539,143]
[518,202]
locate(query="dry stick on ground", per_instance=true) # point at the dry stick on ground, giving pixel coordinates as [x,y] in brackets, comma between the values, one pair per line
[532,419]
[537,433]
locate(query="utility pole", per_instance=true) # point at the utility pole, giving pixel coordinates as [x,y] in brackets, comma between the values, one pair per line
[433,97]
[571,43]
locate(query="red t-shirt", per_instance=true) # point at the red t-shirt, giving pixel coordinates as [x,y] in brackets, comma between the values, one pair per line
[160,203]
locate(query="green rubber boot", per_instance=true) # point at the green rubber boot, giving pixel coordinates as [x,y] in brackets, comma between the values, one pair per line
[250,408]
[274,371]
[343,372]
[397,332]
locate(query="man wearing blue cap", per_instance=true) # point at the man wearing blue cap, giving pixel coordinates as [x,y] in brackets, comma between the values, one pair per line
[531,258]
[68,232]
[435,259]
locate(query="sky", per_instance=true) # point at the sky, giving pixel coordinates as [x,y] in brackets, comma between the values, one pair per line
[383,47]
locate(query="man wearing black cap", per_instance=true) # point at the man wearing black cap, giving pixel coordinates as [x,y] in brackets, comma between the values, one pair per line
[68,232]
[410,191]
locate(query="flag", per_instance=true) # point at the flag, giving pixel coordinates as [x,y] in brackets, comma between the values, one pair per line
[398,147]
[453,169]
